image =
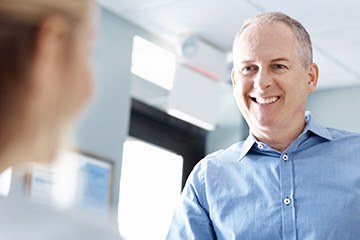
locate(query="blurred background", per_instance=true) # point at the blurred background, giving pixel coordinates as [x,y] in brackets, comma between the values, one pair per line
[164,100]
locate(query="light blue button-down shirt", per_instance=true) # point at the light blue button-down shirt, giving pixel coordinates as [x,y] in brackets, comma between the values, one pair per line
[311,191]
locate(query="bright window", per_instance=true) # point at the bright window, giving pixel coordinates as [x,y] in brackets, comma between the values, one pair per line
[153,63]
[149,190]
[5,181]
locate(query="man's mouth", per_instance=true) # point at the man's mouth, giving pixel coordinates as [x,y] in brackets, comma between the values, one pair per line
[264,101]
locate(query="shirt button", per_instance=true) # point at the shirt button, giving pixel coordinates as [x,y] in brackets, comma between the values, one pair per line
[287,201]
[260,146]
[285,157]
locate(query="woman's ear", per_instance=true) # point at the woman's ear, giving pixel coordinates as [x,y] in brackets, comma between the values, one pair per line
[50,46]
[313,76]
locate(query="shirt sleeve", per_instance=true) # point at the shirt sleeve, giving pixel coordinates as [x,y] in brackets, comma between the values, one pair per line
[191,218]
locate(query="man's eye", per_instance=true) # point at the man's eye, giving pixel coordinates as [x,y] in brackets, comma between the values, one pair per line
[248,70]
[279,67]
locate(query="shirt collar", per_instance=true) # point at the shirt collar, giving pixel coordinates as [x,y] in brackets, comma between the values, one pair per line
[315,127]
[311,125]
[248,143]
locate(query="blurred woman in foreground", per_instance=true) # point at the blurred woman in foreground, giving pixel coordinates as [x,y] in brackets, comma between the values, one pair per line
[45,80]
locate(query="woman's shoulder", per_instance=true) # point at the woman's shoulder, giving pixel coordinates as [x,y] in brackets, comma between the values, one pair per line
[21,219]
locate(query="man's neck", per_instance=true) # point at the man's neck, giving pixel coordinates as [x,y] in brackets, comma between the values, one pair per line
[279,139]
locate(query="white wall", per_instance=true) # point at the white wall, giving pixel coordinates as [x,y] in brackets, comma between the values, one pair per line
[105,125]
[338,108]
[231,126]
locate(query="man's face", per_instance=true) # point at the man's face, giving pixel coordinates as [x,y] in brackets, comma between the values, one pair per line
[270,82]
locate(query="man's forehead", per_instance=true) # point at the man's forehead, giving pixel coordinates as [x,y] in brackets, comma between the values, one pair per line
[269,29]
[273,41]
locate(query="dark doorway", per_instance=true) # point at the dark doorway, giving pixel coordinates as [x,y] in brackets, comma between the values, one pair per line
[157,127]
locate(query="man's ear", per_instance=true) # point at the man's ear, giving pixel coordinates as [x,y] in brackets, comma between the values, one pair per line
[233,80]
[233,77]
[313,76]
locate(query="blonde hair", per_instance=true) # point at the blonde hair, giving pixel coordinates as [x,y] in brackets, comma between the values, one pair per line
[34,11]
[302,37]
[20,21]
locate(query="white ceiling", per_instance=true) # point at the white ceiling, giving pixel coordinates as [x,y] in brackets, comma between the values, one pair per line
[333,25]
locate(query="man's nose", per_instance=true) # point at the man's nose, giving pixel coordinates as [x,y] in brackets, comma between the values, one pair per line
[262,80]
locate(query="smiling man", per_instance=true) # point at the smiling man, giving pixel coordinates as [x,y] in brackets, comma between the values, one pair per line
[272,76]
[291,178]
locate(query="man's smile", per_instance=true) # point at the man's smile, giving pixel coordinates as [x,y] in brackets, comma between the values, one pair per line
[264,101]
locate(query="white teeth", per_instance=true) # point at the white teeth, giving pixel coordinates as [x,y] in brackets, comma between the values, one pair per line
[266,100]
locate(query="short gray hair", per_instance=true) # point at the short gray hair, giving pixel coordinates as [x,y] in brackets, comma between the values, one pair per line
[303,41]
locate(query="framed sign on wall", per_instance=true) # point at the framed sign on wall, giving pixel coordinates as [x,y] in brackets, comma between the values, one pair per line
[76,180]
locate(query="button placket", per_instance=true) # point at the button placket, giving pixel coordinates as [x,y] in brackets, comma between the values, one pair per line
[287,194]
